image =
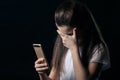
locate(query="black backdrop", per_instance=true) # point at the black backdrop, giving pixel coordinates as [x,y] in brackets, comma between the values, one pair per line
[24,22]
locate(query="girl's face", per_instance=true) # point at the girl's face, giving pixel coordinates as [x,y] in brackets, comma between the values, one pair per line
[68,31]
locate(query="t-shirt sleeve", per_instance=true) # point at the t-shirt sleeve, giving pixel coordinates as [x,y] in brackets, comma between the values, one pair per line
[100,54]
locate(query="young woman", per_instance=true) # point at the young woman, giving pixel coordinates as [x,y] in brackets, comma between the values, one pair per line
[80,53]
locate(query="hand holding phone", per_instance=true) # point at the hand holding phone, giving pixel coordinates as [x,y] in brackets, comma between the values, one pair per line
[41,64]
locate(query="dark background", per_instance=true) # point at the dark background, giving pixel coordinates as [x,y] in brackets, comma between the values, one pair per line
[24,22]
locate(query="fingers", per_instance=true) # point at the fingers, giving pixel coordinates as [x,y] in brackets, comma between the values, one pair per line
[65,36]
[62,35]
[42,69]
[40,60]
[41,65]
[74,32]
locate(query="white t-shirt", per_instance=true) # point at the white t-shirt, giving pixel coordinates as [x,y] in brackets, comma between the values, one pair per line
[100,55]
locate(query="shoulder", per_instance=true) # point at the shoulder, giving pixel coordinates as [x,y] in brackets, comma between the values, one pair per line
[99,49]
[100,54]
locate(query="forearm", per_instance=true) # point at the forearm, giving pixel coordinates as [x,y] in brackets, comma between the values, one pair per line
[44,77]
[80,72]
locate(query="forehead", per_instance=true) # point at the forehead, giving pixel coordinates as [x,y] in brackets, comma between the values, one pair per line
[64,28]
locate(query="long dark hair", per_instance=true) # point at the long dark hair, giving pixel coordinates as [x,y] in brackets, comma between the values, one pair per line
[75,14]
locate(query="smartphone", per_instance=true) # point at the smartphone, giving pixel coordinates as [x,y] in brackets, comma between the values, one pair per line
[39,52]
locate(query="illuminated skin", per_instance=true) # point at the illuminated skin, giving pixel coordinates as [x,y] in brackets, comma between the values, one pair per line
[70,42]
[68,36]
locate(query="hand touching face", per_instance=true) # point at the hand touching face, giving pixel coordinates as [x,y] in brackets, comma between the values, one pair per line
[68,37]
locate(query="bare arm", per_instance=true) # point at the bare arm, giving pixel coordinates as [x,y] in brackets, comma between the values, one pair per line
[41,68]
[52,73]
[80,71]
[50,77]
[94,70]
[44,76]
[70,41]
